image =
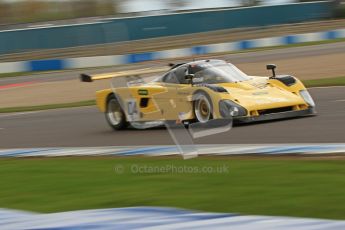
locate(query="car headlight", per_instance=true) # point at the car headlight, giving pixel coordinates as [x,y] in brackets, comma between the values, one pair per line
[229,108]
[307,98]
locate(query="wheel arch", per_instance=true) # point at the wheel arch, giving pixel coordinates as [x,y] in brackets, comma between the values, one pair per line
[119,121]
[102,98]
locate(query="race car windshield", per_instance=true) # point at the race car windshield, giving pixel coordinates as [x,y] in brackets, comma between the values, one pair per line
[214,73]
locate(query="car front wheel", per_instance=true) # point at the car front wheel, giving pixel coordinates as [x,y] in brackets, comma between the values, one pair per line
[202,107]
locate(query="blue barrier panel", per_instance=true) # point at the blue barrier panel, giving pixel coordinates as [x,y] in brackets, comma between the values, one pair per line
[134,58]
[331,35]
[45,65]
[245,45]
[126,29]
[97,61]
[199,50]
[290,39]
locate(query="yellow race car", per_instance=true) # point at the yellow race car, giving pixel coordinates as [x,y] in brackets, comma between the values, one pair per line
[200,91]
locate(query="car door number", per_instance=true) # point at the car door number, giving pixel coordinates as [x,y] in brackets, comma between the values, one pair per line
[132,110]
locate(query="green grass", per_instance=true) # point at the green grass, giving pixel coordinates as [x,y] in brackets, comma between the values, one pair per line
[300,44]
[336,81]
[16,74]
[266,186]
[46,107]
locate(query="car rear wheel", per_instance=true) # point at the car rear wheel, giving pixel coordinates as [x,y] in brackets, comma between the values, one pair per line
[114,114]
[202,107]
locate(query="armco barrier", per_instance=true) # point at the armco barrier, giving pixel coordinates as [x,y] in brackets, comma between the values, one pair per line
[85,62]
[126,29]
[165,150]
[156,218]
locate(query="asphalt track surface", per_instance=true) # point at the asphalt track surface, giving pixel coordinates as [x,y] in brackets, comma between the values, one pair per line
[236,58]
[86,127]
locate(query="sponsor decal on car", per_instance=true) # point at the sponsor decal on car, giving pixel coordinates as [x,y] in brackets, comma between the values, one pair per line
[260,93]
[143,92]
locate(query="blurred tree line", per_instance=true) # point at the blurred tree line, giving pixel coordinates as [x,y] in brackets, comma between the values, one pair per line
[29,11]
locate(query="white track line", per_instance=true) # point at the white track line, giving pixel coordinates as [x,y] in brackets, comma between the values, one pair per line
[18,114]
[326,87]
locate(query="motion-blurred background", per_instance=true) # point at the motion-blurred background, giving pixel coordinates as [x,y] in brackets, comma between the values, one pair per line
[32,11]
[38,25]
[46,45]
[29,28]
[41,36]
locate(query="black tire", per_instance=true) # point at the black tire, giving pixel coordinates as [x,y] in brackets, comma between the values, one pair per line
[114,114]
[203,108]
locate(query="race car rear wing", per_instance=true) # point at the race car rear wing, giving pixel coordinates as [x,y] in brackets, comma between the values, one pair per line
[102,76]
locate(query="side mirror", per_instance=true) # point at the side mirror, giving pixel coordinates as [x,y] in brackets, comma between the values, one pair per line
[272,67]
[189,78]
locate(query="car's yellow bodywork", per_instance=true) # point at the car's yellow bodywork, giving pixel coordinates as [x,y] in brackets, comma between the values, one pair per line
[166,101]
[212,87]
